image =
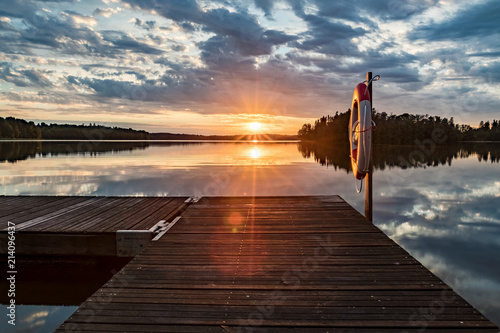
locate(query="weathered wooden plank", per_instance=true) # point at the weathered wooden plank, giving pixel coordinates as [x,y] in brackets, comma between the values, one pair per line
[306,302]
[128,216]
[18,205]
[58,222]
[445,292]
[25,211]
[164,210]
[57,213]
[87,214]
[297,322]
[87,220]
[86,327]
[310,314]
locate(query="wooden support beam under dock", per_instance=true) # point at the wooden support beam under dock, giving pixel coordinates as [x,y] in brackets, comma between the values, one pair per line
[273,264]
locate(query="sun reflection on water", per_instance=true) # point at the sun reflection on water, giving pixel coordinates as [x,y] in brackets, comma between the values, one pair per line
[255,152]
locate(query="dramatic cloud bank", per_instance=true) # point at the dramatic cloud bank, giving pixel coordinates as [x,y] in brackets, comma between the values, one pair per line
[208,66]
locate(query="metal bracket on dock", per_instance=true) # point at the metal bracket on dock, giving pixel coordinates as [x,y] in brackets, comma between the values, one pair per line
[158,226]
[192,200]
[166,227]
[163,226]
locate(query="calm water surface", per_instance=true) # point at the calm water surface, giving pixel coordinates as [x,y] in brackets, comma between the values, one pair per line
[441,205]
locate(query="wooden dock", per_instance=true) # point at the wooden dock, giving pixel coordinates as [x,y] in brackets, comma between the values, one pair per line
[270,264]
[100,226]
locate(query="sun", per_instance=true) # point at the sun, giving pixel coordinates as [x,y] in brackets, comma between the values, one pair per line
[255,126]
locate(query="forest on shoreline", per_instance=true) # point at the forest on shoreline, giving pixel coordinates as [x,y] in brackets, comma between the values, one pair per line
[13,128]
[405,129]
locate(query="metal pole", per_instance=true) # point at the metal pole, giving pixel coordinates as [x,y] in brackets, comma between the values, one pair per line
[368,178]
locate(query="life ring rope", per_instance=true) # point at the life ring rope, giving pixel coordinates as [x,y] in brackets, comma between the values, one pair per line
[366,130]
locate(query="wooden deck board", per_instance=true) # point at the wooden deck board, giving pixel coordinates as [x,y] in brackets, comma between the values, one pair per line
[62,212]
[27,208]
[66,215]
[128,217]
[273,264]
[92,218]
[12,205]
[225,329]
[85,214]
[159,212]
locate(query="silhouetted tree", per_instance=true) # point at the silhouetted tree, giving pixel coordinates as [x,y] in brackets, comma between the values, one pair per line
[12,128]
[404,129]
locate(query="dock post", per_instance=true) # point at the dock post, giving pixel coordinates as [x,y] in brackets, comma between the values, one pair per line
[368,179]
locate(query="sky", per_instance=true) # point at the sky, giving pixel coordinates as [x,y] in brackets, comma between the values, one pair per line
[215,66]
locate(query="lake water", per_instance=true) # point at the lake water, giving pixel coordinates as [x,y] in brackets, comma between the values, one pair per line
[442,205]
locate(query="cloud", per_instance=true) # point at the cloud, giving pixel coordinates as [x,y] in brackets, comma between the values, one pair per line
[479,20]
[175,88]
[495,54]
[42,96]
[79,20]
[40,61]
[17,9]
[106,12]
[24,77]
[147,25]
[266,5]
[168,63]
[372,9]
[5,24]
[89,67]
[325,36]
[178,48]
[240,30]
[176,10]
[122,42]
[37,77]
[105,87]
[487,72]
[68,33]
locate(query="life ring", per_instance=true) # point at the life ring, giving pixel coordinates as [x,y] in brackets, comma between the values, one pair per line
[360,134]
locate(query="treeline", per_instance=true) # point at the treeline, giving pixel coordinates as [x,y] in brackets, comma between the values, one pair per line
[248,137]
[405,129]
[91,132]
[12,128]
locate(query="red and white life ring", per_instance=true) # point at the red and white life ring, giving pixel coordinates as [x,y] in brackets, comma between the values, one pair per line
[360,134]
